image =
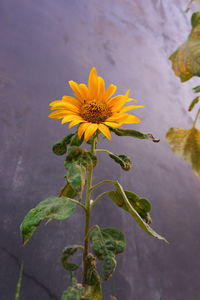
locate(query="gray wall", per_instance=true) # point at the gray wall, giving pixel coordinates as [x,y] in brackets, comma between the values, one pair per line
[45,43]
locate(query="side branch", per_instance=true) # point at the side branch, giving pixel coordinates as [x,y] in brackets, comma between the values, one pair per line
[77,202]
[103,150]
[91,229]
[98,197]
[102,182]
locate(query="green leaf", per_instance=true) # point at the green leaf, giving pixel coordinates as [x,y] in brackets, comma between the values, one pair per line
[106,243]
[77,292]
[60,147]
[141,205]
[78,161]
[92,277]
[195,19]
[76,176]
[186,143]
[74,292]
[19,282]
[109,266]
[75,141]
[196,89]
[107,239]
[92,293]
[67,252]
[185,60]
[58,208]
[134,133]
[136,216]
[193,103]
[93,280]
[67,191]
[123,160]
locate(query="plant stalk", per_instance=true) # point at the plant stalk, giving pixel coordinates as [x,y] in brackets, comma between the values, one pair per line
[101,195]
[196,118]
[102,182]
[87,216]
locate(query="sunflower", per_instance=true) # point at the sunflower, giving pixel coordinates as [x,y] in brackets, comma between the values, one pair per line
[93,107]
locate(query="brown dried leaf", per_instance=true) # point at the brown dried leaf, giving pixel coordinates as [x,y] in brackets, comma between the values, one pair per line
[186,143]
[186,59]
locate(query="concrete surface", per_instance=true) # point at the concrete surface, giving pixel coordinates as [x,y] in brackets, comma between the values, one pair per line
[43,44]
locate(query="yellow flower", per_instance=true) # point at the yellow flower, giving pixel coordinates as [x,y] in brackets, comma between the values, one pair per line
[93,108]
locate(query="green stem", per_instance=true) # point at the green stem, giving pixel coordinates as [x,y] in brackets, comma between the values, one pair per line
[80,197]
[196,118]
[104,150]
[80,247]
[78,203]
[92,228]
[87,217]
[102,182]
[97,198]
[19,281]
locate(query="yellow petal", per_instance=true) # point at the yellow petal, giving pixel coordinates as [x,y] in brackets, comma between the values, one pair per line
[75,122]
[58,114]
[71,100]
[112,124]
[59,102]
[69,118]
[127,93]
[115,102]
[129,99]
[93,84]
[116,117]
[90,130]
[67,106]
[82,129]
[110,91]
[77,91]
[101,89]
[84,91]
[105,130]
[55,102]
[116,107]
[130,107]
[128,119]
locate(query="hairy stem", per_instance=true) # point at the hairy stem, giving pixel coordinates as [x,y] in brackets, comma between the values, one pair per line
[87,217]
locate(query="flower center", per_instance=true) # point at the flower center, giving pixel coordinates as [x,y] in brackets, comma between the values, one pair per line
[95,112]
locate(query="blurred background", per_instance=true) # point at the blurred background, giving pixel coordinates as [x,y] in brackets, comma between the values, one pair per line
[43,45]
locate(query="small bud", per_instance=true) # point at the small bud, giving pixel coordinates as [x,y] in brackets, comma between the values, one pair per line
[59,148]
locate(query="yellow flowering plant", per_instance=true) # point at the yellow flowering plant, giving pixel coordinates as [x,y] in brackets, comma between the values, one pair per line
[95,112]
